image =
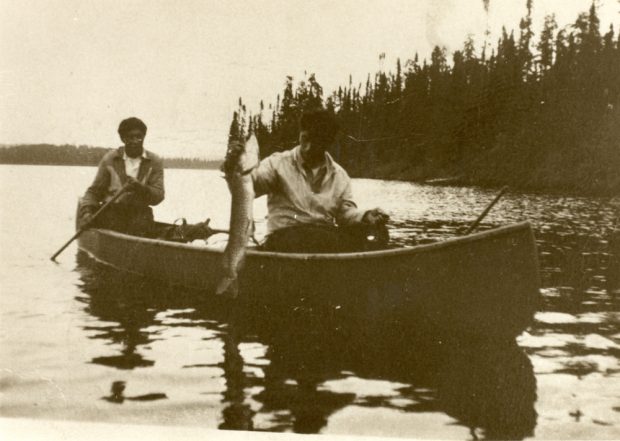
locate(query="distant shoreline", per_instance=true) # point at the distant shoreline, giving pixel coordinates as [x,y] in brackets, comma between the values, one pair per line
[69,155]
[216,167]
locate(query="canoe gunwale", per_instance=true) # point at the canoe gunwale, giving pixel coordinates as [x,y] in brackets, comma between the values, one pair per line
[394,252]
[442,288]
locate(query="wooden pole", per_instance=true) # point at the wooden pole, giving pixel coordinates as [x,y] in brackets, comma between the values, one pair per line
[97,214]
[486,211]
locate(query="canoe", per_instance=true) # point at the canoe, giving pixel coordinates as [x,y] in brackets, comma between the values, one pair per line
[482,284]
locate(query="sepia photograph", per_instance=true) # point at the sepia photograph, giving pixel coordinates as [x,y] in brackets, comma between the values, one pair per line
[310,220]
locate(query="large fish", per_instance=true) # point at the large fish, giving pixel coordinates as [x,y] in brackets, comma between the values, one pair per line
[241,159]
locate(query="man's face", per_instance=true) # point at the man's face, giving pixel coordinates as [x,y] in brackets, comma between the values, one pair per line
[313,146]
[133,140]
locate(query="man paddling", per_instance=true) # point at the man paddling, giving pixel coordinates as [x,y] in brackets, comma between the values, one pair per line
[129,164]
[309,196]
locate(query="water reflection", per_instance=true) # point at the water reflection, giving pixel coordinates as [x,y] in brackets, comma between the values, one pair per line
[304,352]
[492,388]
[117,394]
[573,344]
[292,369]
[123,306]
[237,415]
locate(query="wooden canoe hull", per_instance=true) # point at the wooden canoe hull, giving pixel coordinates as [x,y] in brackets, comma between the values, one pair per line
[485,283]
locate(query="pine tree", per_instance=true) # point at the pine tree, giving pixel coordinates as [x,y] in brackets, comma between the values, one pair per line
[525,38]
[505,114]
[546,44]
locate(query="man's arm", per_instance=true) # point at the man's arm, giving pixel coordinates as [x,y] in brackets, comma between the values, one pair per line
[96,192]
[91,201]
[348,213]
[155,192]
[150,192]
[265,177]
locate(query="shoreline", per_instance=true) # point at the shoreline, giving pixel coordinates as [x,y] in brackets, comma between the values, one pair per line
[464,182]
[437,181]
[172,167]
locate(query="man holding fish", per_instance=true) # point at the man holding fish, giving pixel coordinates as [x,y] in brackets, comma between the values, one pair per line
[309,197]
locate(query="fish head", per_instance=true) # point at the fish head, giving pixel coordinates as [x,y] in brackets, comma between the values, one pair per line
[249,158]
[241,157]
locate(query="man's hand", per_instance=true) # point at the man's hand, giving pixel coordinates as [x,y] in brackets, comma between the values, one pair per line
[135,186]
[376,216]
[85,219]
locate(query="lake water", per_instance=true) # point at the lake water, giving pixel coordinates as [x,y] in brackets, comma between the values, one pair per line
[79,341]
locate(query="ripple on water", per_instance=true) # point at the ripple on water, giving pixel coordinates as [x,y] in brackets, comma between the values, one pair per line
[191,364]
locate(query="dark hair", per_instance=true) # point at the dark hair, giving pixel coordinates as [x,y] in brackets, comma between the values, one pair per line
[320,123]
[129,124]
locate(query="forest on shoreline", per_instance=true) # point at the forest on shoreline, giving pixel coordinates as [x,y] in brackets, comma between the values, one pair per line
[533,112]
[48,154]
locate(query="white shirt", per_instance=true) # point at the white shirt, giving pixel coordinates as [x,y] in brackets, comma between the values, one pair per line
[132,165]
[296,198]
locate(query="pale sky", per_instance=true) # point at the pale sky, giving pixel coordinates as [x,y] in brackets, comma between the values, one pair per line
[70,70]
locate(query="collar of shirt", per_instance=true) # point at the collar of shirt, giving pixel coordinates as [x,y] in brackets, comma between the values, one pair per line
[327,167]
[132,165]
[314,177]
[127,158]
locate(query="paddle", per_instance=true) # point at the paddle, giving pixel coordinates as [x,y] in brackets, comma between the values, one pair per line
[105,206]
[486,211]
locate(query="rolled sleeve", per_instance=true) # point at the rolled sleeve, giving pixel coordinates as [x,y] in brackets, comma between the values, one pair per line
[155,185]
[265,176]
[348,213]
[98,189]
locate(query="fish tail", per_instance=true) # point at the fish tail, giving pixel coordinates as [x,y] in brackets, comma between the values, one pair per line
[228,286]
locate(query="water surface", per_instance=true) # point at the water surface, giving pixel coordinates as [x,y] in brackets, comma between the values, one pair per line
[81,341]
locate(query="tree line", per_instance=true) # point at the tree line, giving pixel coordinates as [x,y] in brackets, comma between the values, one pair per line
[537,112]
[47,154]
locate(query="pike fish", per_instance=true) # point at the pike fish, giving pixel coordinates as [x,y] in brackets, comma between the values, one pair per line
[241,159]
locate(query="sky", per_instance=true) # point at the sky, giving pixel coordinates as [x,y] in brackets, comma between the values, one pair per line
[71,70]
